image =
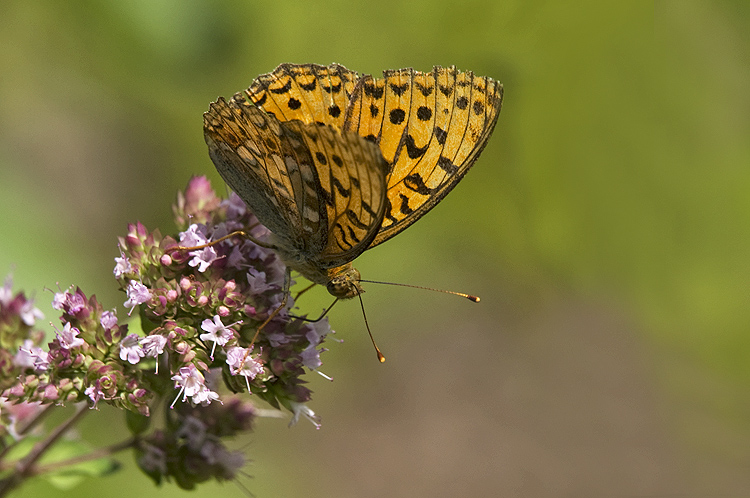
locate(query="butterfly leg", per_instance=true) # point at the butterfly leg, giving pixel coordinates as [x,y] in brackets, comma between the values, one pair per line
[320,317]
[236,233]
[305,319]
[303,291]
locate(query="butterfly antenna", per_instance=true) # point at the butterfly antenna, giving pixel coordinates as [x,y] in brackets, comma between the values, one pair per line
[381,357]
[460,294]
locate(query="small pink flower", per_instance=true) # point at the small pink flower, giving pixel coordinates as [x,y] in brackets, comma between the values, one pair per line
[122,266]
[153,346]
[130,350]
[217,332]
[302,409]
[95,394]
[193,236]
[202,258]
[137,294]
[205,396]
[189,380]
[108,319]
[30,314]
[242,363]
[68,337]
[30,356]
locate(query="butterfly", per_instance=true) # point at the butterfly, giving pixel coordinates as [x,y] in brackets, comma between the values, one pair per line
[333,163]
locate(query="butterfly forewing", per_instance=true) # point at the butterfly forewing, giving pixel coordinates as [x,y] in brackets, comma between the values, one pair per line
[269,168]
[308,92]
[432,128]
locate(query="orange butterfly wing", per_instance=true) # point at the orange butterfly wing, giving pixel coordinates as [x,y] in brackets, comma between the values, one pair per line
[431,128]
[307,92]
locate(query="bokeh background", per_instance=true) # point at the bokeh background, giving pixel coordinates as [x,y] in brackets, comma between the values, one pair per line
[605,228]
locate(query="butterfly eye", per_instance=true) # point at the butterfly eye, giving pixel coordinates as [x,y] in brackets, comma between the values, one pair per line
[337,288]
[345,285]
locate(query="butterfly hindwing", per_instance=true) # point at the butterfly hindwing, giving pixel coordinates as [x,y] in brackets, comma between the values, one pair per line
[268,166]
[320,191]
[351,174]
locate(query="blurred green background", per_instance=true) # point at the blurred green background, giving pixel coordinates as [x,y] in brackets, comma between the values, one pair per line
[605,228]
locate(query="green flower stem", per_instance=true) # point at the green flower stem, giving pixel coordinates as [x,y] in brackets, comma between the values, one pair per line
[26,428]
[94,455]
[24,467]
[46,409]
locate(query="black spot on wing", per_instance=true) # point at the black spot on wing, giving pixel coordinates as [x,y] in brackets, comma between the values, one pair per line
[353,235]
[261,100]
[368,209]
[374,91]
[424,113]
[354,220]
[309,87]
[283,89]
[447,165]
[388,207]
[441,135]
[397,116]
[426,90]
[342,239]
[399,90]
[331,88]
[478,107]
[412,149]
[344,192]
[414,182]
[327,197]
[404,208]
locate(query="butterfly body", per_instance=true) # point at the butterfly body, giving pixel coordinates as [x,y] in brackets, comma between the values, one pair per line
[333,164]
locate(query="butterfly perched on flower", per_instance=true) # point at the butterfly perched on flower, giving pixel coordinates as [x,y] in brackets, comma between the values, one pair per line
[333,163]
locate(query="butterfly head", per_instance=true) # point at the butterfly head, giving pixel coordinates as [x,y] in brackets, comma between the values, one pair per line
[343,282]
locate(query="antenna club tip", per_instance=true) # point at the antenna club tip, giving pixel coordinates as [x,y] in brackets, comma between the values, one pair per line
[381,358]
[474,298]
